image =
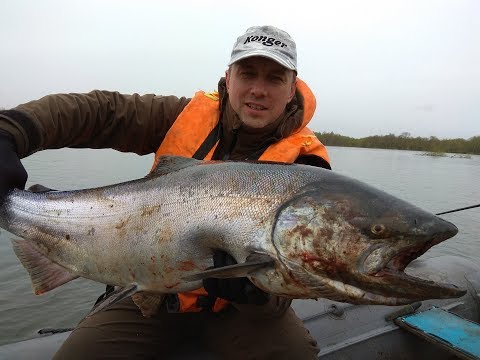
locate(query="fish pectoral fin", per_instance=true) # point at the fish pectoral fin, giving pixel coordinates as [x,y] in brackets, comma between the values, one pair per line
[44,273]
[114,297]
[148,303]
[252,263]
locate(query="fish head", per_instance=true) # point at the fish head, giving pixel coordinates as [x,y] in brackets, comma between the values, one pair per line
[344,240]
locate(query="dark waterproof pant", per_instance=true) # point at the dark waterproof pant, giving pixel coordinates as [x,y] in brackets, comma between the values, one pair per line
[121,332]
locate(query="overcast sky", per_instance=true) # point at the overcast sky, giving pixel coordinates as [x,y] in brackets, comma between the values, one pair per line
[376,67]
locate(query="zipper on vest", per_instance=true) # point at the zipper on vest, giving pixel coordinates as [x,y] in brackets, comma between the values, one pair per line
[232,145]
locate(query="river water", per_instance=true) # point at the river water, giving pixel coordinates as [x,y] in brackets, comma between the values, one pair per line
[435,184]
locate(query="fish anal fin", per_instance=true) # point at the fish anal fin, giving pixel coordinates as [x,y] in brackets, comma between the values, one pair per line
[148,303]
[168,163]
[253,263]
[44,273]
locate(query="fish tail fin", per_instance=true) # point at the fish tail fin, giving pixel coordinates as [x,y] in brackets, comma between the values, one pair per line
[45,274]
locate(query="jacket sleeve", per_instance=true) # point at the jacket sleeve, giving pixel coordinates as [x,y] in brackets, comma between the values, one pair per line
[99,119]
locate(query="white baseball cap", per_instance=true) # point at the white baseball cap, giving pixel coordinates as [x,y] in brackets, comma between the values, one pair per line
[267,41]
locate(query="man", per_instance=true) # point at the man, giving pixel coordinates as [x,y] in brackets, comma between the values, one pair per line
[260,112]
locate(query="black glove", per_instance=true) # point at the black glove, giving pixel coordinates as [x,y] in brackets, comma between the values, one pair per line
[12,172]
[237,290]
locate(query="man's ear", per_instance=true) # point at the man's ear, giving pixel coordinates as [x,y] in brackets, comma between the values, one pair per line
[293,89]
[227,78]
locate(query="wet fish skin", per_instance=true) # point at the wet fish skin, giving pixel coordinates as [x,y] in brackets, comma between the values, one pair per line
[325,235]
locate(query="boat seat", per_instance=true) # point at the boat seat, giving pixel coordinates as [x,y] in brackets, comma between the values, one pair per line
[457,335]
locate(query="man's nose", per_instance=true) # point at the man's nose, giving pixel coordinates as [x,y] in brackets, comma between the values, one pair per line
[258,88]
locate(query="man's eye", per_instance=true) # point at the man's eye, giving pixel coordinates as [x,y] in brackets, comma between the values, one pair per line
[246,74]
[277,79]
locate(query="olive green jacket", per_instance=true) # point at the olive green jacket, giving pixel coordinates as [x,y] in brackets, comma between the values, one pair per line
[134,123]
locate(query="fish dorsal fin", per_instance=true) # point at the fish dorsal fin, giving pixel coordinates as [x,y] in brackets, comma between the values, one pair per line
[252,263]
[169,163]
[45,274]
[148,303]
[37,188]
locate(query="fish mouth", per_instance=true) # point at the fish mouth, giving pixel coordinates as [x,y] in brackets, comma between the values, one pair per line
[387,266]
[415,288]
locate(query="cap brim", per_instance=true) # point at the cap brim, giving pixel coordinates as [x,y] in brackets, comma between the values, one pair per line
[266,54]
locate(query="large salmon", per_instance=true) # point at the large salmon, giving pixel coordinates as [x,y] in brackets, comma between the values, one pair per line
[295,230]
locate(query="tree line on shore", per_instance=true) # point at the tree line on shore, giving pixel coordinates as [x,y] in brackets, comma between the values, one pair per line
[404,142]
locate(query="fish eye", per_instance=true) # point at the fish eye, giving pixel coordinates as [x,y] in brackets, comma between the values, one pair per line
[377,229]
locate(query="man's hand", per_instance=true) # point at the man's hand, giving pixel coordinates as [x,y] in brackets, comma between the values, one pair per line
[12,172]
[237,290]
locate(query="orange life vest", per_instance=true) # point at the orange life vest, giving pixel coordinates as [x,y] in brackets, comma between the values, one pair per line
[202,115]
[195,123]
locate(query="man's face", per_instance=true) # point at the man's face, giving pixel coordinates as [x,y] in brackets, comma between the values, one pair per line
[259,89]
